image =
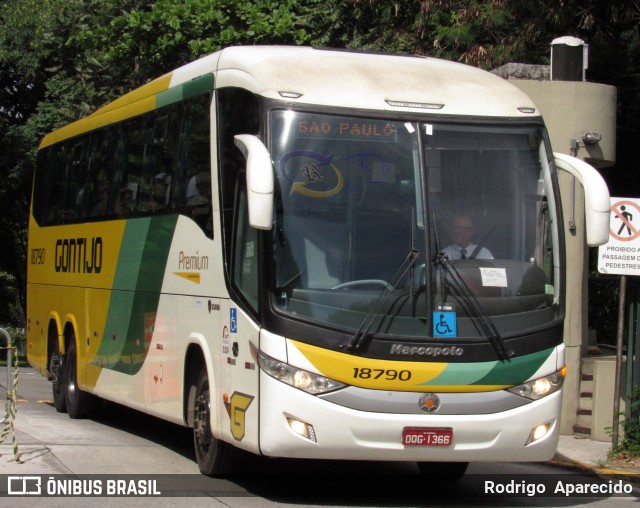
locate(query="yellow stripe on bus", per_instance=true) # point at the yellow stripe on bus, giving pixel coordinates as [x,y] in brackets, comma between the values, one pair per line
[372,373]
[141,100]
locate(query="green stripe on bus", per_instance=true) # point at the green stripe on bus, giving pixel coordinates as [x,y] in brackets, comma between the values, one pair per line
[131,253]
[133,306]
[197,86]
[517,370]
[156,251]
[512,372]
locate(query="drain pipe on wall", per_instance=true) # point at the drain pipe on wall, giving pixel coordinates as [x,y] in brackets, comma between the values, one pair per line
[572,218]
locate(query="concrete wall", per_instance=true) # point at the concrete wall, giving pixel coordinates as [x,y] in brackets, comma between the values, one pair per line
[604,371]
[572,108]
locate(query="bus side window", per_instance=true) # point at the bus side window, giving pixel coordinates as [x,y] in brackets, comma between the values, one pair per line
[238,113]
[193,192]
[76,171]
[47,197]
[245,256]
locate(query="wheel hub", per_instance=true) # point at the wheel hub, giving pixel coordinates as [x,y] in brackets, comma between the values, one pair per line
[201,421]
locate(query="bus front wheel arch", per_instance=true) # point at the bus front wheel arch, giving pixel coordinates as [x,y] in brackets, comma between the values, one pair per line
[214,456]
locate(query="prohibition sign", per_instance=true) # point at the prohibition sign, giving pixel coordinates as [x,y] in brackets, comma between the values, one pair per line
[620,210]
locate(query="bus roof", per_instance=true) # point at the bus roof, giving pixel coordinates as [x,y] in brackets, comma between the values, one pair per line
[304,75]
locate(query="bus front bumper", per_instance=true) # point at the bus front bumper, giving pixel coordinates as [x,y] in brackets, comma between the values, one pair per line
[295,424]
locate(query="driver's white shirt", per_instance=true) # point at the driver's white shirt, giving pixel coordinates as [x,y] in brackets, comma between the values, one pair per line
[453,252]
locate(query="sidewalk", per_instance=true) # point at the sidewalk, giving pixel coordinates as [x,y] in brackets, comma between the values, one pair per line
[575,452]
[585,454]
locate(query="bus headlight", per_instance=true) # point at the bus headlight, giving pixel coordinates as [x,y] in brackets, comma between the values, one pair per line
[301,379]
[540,387]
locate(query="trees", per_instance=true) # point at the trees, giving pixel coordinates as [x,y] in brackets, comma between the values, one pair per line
[30,32]
[60,59]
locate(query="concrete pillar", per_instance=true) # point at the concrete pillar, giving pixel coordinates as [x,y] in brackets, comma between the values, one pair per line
[575,326]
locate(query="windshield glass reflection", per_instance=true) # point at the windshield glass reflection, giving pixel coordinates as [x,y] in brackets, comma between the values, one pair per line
[350,208]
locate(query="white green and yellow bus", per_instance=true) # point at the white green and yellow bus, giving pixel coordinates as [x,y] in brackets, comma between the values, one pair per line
[259,246]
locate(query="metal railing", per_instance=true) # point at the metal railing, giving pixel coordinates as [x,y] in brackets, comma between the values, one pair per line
[10,407]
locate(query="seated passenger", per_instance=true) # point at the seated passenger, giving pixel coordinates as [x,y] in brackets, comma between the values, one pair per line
[158,196]
[101,206]
[125,200]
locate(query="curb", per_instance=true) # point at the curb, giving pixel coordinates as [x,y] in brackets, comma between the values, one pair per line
[631,476]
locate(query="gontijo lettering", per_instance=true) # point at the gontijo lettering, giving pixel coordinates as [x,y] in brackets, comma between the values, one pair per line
[78,255]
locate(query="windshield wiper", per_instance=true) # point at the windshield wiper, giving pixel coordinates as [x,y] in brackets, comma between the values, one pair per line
[483,323]
[472,307]
[369,319]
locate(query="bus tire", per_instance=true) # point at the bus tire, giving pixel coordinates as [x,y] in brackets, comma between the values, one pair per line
[58,380]
[444,471]
[79,403]
[214,456]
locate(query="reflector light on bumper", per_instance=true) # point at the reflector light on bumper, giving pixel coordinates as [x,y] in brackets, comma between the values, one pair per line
[538,432]
[303,429]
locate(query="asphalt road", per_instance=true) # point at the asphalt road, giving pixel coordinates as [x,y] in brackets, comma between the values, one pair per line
[146,454]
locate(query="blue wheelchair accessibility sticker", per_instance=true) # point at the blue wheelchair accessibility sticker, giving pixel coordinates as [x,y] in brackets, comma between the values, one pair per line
[234,320]
[444,324]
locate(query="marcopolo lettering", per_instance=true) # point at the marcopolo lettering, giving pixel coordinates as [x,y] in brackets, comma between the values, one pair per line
[79,255]
[402,349]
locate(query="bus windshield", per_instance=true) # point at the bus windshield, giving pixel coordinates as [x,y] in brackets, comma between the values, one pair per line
[396,221]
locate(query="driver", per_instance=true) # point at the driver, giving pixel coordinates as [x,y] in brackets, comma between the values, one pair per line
[462,246]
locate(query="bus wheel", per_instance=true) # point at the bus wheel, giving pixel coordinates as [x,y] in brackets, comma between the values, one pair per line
[58,379]
[213,455]
[79,403]
[445,471]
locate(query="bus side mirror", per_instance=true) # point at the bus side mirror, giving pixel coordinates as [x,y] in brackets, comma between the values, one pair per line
[259,180]
[596,197]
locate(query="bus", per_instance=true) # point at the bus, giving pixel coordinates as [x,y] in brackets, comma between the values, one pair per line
[259,246]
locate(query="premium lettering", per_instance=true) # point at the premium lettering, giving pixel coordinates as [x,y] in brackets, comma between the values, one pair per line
[197,262]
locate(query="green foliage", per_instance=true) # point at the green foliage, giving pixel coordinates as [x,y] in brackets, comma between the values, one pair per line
[60,59]
[629,445]
[18,341]
[154,37]
[11,313]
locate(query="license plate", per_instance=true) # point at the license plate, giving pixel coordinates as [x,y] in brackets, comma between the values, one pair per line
[427,436]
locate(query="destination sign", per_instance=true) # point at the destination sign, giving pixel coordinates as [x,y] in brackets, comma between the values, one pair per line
[346,129]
